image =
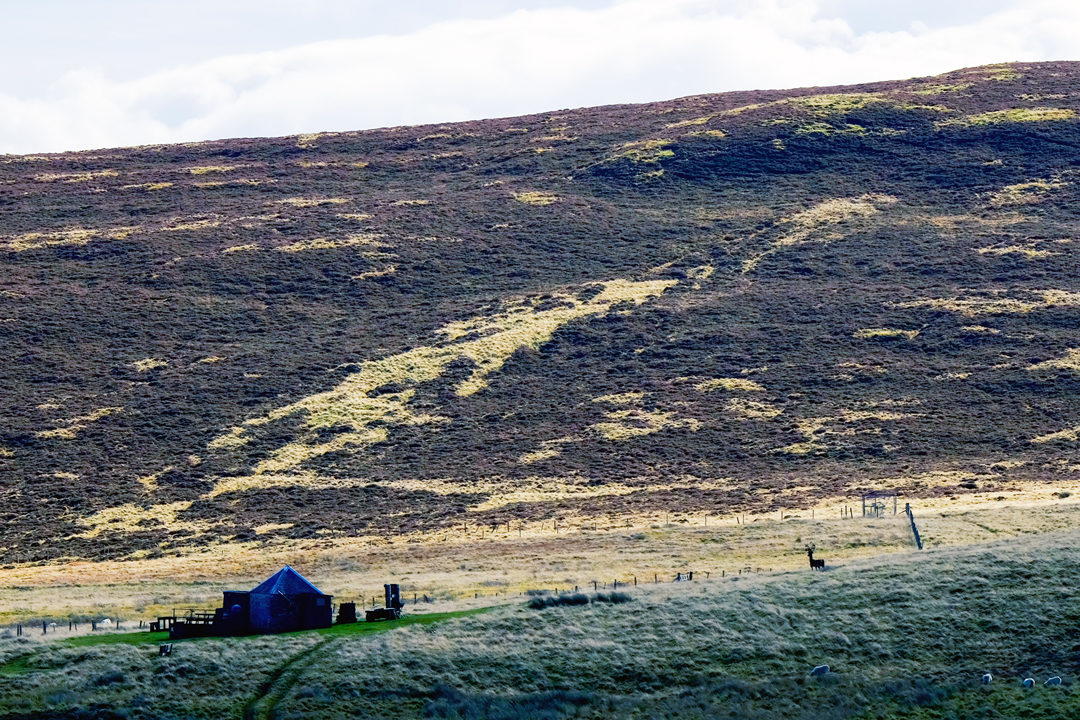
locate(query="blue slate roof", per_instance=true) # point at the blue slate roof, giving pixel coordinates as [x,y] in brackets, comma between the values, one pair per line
[286,581]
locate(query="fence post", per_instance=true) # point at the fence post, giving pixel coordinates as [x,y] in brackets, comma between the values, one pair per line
[914,530]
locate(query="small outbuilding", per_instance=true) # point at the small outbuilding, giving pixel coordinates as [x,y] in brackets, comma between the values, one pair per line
[287,601]
[283,602]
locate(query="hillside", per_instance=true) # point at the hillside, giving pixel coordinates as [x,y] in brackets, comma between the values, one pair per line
[716,304]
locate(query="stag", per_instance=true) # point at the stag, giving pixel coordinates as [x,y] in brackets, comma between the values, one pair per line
[814,564]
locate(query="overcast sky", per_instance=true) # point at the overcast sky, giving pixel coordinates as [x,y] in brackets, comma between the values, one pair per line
[79,74]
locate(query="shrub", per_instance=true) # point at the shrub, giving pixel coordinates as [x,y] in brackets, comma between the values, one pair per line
[110,678]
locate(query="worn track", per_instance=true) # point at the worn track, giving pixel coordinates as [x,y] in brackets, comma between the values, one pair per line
[277,686]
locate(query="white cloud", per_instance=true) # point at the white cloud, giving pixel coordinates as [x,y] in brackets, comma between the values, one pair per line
[521,62]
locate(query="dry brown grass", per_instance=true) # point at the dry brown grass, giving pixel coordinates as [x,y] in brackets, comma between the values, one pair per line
[479,560]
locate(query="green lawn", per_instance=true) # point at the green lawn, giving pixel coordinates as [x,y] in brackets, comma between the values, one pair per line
[348,629]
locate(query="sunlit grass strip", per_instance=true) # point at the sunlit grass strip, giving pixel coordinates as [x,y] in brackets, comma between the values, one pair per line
[76,177]
[886,333]
[808,225]
[72,426]
[998,303]
[1011,115]
[536,198]
[68,237]
[731,384]
[354,403]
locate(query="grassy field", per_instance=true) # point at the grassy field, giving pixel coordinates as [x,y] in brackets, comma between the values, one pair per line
[907,635]
[468,571]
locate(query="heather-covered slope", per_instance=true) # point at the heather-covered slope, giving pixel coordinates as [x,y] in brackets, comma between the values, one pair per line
[719,303]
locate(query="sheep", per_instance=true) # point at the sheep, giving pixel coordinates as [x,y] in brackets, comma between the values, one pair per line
[1029,682]
[987,678]
[1053,681]
[820,670]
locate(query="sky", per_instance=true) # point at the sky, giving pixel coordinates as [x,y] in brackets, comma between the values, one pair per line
[83,74]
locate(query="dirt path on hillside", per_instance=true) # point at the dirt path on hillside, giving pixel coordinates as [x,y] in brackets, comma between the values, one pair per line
[274,689]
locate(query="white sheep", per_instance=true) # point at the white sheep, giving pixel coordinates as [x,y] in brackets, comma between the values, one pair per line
[820,670]
[1029,682]
[987,678]
[1053,681]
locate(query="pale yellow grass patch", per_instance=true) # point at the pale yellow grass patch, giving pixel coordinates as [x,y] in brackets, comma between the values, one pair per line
[953,223]
[815,429]
[206,169]
[307,140]
[980,330]
[635,422]
[701,272]
[487,341]
[203,224]
[240,248]
[212,359]
[355,216]
[148,364]
[410,203]
[435,136]
[693,121]
[1025,250]
[816,224]
[149,186]
[1011,115]
[381,272]
[732,384]
[866,333]
[308,164]
[626,398]
[752,410]
[71,236]
[150,482]
[953,376]
[225,183]
[1068,434]
[1026,193]
[537,455]
[70,427]
[306,202]
[76,177]
[267,528]
[232,439]
[357,240]
[536,198]
[1070,361]
[938,88]
[829,104]
[648,152]
[998,303]
[708,133]
[127,518]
